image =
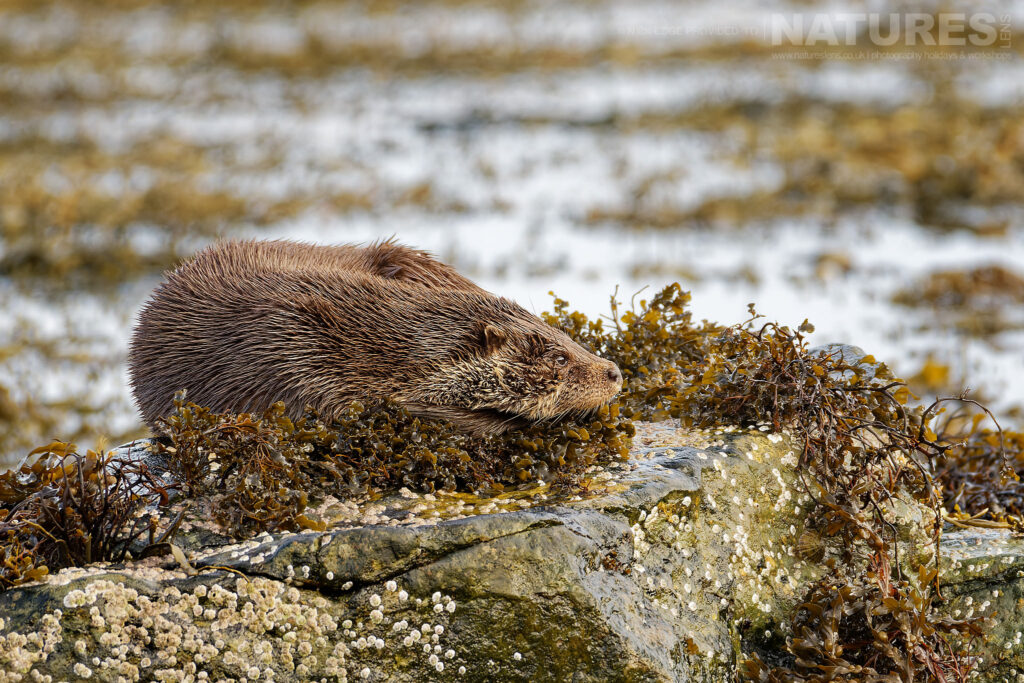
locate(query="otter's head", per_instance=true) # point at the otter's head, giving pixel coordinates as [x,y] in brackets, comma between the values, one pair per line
[514,370]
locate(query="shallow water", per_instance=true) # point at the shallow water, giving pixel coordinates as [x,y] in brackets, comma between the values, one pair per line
[575,149]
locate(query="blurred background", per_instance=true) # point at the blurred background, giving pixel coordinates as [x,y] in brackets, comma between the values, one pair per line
[877,190]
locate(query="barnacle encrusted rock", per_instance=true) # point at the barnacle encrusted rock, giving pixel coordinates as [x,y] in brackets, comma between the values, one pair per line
[668,567]
[983,573]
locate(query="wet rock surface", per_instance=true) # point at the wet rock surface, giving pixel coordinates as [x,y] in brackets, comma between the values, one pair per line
[668,567]
[983,573]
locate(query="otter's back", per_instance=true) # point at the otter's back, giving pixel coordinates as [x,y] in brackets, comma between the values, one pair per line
[384,259]
[244,324]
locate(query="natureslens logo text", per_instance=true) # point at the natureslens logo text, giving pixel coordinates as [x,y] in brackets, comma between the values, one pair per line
[912,29]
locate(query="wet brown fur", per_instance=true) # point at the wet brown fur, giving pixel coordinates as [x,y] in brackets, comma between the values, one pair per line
[245,324]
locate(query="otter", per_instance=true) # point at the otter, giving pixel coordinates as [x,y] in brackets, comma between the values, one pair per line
[245,324]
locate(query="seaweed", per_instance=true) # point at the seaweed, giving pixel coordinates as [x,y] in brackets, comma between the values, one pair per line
[93,208]
[62,508]
[866,445]
[651,346]
[260,472]
[979,302]
[980,286]
[981,475]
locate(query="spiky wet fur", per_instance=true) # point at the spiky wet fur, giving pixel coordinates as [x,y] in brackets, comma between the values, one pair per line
[245,324]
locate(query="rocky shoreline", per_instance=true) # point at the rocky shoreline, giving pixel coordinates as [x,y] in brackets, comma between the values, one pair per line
[673,566]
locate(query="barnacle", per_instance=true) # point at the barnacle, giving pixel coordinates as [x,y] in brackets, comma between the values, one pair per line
[864,445]
[864,442]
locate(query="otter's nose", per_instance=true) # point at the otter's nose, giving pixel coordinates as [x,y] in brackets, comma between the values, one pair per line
[613,374]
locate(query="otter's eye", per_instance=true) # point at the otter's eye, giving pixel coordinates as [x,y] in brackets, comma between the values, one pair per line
[560,360]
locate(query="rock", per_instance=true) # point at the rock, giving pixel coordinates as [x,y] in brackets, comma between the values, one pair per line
[983,573]
[670,568]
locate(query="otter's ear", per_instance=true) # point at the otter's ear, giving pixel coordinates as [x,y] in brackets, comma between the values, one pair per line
[492,339]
